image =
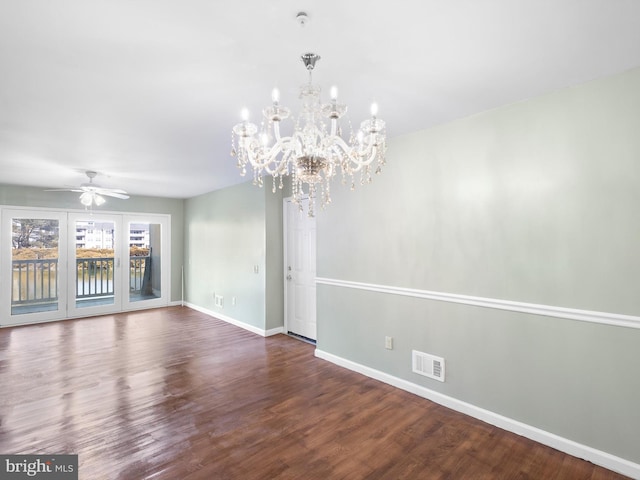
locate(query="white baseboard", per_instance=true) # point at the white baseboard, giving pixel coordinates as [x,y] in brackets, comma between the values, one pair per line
[273,331]
[237,323]
[598,457]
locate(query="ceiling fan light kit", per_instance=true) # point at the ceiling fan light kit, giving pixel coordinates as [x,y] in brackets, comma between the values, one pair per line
[88,198]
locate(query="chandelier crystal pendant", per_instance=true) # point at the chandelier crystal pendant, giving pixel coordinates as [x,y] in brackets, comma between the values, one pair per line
[315,151]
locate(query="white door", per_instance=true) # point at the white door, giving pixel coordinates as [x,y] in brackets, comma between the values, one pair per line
[300,271]
[33,263]
[95,264]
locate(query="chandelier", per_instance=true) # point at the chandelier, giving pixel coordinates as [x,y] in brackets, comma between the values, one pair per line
[315,150]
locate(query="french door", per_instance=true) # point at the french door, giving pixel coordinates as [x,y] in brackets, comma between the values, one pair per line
[57,265]
[96,259]
[33,263]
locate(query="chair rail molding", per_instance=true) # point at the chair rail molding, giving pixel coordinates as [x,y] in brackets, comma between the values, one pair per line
[604,318]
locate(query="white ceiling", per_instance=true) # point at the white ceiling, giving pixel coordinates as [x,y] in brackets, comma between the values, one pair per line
[146,91]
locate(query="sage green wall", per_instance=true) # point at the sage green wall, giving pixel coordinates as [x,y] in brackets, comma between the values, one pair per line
[15,195]
[226,237]
[274,260]
[534,202]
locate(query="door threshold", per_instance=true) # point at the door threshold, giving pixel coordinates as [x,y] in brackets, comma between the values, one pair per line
[302,337]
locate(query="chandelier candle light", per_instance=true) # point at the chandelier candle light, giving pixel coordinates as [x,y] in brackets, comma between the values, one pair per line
[315,150]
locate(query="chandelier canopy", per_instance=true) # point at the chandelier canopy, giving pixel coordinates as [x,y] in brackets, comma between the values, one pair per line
[315,150]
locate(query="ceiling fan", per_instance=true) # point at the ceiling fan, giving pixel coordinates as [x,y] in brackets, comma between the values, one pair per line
[92,193]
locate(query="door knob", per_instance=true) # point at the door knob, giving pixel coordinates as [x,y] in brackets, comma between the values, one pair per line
[288,277]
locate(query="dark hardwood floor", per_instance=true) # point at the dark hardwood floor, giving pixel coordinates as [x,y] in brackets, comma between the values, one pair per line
[174,394]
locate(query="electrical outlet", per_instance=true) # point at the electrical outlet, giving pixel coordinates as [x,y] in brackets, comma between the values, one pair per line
[388,343]
[233,301]
[219,301]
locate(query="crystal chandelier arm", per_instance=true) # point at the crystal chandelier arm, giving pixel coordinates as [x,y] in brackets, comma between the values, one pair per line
[334,127]
[371,149]
[276,131]
[341,144]
[266,160]
[271,164]
[370,146]
[373,152]
[360,158]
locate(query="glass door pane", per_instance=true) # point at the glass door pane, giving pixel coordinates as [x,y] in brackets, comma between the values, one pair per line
[94,263]
[33,264]
[148,273]
[145,253]
[94,281]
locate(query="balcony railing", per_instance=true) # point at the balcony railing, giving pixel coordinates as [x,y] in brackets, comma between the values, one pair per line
[94,277]
[36,281]
[140,275]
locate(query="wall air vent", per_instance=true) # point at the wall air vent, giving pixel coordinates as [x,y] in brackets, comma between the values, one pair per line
[428,365]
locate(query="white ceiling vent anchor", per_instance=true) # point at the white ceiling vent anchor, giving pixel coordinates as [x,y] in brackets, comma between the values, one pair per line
[427,365]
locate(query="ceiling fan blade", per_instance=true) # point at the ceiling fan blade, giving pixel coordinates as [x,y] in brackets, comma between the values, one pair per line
[64,190]
[110,193]
[106,191]
[92,192]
